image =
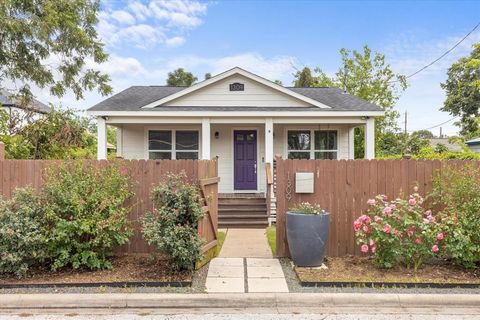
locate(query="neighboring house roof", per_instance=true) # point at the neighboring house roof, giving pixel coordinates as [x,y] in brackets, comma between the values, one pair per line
[151,98]
[473,142]
[451,146]
[8,100]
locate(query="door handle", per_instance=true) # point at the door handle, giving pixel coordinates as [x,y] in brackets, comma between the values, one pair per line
[255,166]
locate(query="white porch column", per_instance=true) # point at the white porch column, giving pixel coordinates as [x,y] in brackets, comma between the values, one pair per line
[101,138]
[269,140]
[351,143]
[205,139]
[370,138]
[119,141]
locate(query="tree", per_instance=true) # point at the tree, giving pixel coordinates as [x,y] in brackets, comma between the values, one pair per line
[279,82]
[463,92]
[57,135]
[368,76]
[208,75]
[423,134]
[180,77]
[47,44]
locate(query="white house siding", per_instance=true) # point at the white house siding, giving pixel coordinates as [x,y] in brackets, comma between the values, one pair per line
[134,145]
[254,95]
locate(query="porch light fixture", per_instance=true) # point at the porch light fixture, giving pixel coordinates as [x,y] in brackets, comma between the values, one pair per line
[217,134]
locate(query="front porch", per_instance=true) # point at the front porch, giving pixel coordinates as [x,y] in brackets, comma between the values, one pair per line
[243,145]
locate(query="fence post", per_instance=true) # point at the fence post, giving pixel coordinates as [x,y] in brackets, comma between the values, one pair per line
[2,151]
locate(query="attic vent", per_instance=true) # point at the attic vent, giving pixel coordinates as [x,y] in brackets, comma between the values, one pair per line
[237,86]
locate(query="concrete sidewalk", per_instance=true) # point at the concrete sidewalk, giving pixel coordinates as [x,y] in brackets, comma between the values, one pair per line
[246,243]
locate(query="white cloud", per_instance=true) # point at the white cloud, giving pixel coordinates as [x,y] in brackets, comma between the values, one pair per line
[152,23]
[175,42]
[123,17]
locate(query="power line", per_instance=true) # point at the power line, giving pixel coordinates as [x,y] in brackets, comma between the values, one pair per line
[443,55]
[438,125]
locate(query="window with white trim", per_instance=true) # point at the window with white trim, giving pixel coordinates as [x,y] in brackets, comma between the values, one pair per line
[173,144]
[312,144]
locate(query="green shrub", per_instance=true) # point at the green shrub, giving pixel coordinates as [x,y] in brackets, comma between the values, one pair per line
[23,241]
[173,226]
[457,192]
[399,231]
[86,213]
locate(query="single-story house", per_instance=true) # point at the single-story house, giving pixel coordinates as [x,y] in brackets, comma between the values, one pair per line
[240,117]
[474,145]
[447,143]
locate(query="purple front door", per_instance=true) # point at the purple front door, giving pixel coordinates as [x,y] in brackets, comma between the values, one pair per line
[245,159]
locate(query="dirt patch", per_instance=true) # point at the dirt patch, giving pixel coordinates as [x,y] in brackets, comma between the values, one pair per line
[362,269]
[126,268]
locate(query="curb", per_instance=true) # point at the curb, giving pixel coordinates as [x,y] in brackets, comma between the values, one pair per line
[223,301]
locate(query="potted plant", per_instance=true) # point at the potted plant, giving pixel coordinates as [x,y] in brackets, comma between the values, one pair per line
[307,233]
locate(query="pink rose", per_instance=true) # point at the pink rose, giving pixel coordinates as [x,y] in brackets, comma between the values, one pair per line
[412,201]
[365,228]
[371,202]
[373,248]
[418,241]
[385,197]
[357,226]
[427,213]
[410,233]
[387,228]
[387,211]
[393,206]
[431,218]
[435,248]
[378,219]
[371,242]
[364,248]
[440,236]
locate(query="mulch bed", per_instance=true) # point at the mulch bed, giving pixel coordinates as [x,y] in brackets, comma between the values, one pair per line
[350,271]
[138,269]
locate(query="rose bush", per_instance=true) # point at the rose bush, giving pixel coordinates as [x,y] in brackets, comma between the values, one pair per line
[398,231]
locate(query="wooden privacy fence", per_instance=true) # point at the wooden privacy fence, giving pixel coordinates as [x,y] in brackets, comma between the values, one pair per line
[145,175]
[343,187]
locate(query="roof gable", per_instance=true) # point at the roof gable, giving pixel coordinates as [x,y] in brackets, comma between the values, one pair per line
[216,91]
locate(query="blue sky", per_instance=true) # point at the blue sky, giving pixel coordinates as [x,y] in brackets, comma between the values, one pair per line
[148,38]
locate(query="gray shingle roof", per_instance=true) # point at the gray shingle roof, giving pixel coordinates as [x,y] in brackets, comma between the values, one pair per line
[8,100]
[133,98]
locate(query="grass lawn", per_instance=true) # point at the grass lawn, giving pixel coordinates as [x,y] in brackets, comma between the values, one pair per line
[362,269]
[220,240]
[272,239]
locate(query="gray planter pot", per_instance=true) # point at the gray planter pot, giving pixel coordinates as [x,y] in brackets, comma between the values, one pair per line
[307,237]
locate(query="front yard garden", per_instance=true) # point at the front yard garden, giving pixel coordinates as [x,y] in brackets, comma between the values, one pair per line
[412,241]
[69,232]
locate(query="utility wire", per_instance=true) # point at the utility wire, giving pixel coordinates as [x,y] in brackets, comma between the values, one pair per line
[438,125]
[442,56]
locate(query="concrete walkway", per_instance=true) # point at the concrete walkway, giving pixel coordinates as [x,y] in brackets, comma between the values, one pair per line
[246,243]
[245,264]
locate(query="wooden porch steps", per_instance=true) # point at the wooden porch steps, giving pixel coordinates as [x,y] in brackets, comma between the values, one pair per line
[242,212]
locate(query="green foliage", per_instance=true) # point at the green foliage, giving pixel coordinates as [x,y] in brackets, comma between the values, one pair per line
[48,43]
[180,77]
[463,92]
[457,192]
[60,134]
[86,213]
[23,240]
[369,77]
[307,208]
[431,153]
[272,239]
[173,226]
[398,231]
